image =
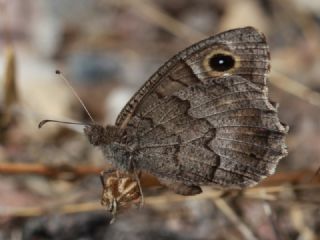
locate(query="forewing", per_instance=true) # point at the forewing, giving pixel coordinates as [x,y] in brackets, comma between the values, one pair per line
[201,126]
[187,67]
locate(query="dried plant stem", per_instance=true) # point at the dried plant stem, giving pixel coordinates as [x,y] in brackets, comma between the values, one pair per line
[295,88]
[298,218]
[10,98]
[235,219]
[148,10]
[157,202]
[50,171]
[10,88]
[164,199]
[42,210]
[269,213]
[60,171]
[314,177]
[273,182]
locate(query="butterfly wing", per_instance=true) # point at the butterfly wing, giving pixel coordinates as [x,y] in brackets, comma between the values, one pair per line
[184,70]
[201,121]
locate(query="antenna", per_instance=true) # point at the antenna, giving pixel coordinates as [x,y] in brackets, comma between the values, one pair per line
[58,72]
[43,122]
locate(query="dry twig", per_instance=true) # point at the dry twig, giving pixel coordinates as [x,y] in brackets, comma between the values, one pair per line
[235,219]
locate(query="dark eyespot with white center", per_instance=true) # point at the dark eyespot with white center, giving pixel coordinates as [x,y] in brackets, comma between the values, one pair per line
[221,62]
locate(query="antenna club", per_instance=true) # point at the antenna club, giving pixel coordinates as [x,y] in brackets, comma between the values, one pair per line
[43,122]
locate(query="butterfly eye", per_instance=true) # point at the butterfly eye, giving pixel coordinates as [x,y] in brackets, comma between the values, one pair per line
[221,62]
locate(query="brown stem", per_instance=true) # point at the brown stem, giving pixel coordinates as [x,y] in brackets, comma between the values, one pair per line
[147,180]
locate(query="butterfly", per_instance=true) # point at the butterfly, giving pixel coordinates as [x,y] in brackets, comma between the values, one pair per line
[204,118]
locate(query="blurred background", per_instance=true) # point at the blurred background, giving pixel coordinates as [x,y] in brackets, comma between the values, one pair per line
[107,49]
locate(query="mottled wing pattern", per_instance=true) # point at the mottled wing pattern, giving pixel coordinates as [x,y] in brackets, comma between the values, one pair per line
[200,126]
[246,41]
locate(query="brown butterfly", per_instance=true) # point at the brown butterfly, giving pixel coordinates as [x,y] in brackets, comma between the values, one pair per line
[203,118]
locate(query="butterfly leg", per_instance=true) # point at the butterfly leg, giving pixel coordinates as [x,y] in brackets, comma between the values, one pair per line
[181,188]
[136,175]
[105,173]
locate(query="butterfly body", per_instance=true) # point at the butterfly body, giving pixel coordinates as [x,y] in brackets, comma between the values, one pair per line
[203,118]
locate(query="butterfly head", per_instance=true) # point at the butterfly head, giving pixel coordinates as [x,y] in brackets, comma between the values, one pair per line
[99,135]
